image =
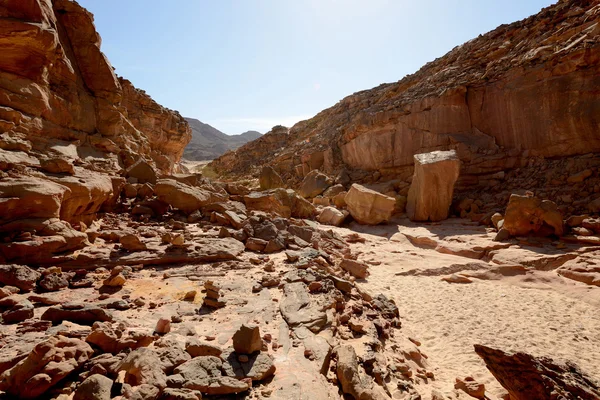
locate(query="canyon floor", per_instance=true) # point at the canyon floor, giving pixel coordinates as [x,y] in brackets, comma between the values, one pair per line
[532,309]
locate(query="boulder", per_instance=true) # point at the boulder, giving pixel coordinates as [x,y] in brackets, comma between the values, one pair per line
[526,377]
[430,193]
[350,379]
[197,348]
[30,198]
[143,366]
[111,339]
[355,268]
[79,313]
[529,214]
[314,183]
[331,216]
[283,202]
[95,387]
[19,276]
[132,242]
[246,339]
[368,206]
[185,198]
[47,364]
[142,171]
[57,166]
[19,312]
[269,179]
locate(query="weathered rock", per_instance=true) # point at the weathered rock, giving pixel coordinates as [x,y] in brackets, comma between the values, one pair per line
[185,198]
[142,171]
[95,387]
[19,276]
[54,282]
[471,387]
[331,216]
[163,326]
[181,394]
[526,377]
[112,340]
[19,312]
[314,184]
[432,186]
[349,377]
[47,364]
[368,206]
[246,339]
[78,313]
[142,366]
[298,310]
[30,198]
[131,242]
[529,214]
[355,268]
[57,166]
[285,203]
[269,179]
[197,348]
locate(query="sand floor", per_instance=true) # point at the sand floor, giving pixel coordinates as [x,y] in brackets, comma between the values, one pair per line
[538,312]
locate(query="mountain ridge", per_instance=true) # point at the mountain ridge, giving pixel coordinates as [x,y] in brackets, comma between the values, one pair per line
[209,143]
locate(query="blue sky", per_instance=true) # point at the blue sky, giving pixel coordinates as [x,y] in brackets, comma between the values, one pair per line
[252,64]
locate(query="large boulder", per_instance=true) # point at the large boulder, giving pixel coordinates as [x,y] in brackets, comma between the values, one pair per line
[430,193]
[30,198]
[269,179]
[142,172]
[529,214]
[368,206]
[143,366]
[332,216]
[184,197]
[283,202]
[314,184]
[95,387]
[84,314]
[19,276]
[526,377]
[48,363]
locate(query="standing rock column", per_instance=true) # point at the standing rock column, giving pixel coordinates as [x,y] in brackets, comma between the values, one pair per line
[430,193]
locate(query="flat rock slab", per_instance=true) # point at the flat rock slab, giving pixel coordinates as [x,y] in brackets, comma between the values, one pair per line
[203,250]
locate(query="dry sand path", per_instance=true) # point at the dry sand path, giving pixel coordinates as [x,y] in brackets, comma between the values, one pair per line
[538,312]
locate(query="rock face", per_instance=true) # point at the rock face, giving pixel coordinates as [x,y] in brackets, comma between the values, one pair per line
[432,186]
[526,214]
[526,377]
[57,86]
[498,100]
[368,206]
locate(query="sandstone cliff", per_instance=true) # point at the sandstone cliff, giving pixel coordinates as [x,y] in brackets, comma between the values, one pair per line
[59,93]
[528,89]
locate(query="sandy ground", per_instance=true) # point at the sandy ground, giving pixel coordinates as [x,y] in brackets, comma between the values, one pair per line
[538,312]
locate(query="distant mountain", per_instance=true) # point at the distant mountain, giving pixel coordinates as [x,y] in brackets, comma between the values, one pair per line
[209,143]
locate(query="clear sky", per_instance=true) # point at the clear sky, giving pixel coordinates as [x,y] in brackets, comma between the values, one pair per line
[251,64]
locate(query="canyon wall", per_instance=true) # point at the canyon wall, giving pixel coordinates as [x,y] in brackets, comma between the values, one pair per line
[528,89]
[59,93]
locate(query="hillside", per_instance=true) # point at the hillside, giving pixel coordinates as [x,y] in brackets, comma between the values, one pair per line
[209,143]
[527,89]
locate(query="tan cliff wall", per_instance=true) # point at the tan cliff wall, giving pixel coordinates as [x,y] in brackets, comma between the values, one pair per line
[56,86]
[526,89]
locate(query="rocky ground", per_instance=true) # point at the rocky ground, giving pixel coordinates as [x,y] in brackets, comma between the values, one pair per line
[158,297]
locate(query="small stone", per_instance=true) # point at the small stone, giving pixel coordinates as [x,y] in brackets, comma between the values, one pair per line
[163,326]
